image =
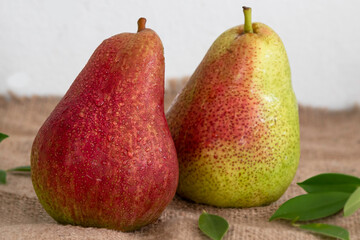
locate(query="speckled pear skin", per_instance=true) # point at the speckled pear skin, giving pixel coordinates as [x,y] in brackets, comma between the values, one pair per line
[105,156]
[235,124]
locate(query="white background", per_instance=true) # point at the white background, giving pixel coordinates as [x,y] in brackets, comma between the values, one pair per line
[45,44]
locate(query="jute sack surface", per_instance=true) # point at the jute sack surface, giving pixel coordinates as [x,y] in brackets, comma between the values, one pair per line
[330,142]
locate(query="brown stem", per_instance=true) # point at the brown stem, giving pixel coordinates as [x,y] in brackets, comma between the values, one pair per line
[141,24]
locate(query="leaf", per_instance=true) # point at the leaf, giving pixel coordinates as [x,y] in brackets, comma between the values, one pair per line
[353,203]
[17,169]
[311,206]
[331,182]
[2,176]
[20,169]
[213,226]
[327,230]
[3,136]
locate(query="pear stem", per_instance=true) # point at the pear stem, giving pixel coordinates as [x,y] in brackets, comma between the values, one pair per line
[248,24]
[141,24]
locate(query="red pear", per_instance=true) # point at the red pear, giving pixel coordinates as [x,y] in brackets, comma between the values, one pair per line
[105,156]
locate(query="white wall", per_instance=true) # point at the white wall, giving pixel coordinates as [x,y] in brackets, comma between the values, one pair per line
[45,44]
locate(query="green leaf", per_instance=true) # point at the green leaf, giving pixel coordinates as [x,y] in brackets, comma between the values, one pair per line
[331,182]
[327,230]
[20,169]
[3,136]
[213,226]
[2,176]
[311,206]
[17,169]
[353,203]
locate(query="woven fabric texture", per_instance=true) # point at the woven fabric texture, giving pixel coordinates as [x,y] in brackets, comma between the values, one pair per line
[330,142]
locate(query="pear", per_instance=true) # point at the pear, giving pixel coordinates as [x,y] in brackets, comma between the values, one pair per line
[235,123]
[105,156]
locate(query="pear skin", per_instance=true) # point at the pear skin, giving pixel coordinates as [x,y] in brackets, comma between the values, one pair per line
[235,124]
[105,156]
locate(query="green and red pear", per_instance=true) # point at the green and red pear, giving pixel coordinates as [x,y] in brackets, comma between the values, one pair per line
[105,156]
[235,124]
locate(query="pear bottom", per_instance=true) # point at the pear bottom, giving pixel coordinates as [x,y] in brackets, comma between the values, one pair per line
[211,178]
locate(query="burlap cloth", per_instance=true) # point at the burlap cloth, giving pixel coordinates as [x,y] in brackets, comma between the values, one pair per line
[330,142]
